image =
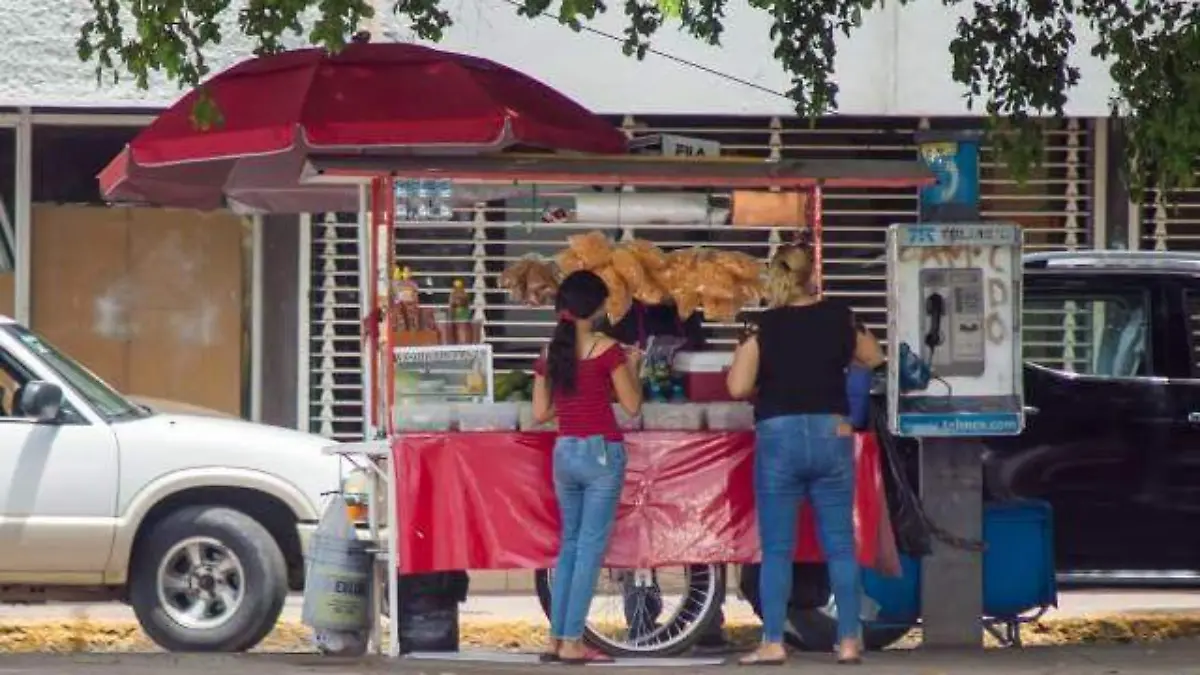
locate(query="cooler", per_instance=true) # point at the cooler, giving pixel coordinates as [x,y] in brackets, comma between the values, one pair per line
[703,375]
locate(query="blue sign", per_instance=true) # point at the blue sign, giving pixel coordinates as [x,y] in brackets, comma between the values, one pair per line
[955,166]
[951,234]
[959,424]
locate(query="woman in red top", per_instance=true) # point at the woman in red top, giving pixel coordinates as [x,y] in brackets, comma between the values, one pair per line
[576,381]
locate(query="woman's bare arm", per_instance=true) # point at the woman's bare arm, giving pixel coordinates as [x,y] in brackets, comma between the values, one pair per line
[867,351]
[743,374]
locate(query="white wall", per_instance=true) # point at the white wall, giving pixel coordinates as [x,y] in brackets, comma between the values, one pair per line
[896,64]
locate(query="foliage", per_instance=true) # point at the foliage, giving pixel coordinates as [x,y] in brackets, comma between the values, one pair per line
[1012,56]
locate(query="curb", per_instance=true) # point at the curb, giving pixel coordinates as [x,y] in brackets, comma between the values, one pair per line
[82,635]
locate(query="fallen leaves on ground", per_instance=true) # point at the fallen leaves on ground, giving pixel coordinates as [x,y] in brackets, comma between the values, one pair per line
[81,634]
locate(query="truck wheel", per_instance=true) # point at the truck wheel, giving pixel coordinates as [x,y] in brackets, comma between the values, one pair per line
[208,579]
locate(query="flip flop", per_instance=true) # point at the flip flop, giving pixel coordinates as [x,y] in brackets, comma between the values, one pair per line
[757,660]
[548,657]
[850,661]
[589,656]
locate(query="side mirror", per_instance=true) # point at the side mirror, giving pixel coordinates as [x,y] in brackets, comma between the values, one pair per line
[41,401]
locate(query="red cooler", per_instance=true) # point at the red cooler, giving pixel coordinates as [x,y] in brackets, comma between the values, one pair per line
[704,375]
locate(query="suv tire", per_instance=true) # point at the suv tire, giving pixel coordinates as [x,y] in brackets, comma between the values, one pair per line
[208,579]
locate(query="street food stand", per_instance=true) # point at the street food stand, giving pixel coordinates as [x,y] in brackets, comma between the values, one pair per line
[483,500]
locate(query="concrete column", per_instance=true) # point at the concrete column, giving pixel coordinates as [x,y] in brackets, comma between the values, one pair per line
[952,468]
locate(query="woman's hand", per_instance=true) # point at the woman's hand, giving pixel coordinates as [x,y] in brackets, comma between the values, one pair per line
[634,357]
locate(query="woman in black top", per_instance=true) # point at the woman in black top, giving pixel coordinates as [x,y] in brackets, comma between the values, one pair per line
[797,363]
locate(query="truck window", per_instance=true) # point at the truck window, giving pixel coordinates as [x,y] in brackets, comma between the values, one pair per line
[1104,334]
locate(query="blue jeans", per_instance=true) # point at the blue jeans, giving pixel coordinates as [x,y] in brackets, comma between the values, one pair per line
[588,476]
[799,457]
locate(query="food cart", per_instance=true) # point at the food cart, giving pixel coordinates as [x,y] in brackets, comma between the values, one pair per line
[483,499]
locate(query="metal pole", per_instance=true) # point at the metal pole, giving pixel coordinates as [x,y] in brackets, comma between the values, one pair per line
[303,324]
[23,188]
[256,318]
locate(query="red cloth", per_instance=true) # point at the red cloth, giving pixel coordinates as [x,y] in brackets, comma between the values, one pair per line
[486,501]
[588,410]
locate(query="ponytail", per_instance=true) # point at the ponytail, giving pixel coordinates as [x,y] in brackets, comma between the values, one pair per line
[562,363]
[580,297]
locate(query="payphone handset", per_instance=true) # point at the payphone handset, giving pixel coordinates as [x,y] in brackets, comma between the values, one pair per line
[952,320]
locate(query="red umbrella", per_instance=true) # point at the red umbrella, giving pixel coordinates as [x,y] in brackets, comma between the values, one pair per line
[277,111]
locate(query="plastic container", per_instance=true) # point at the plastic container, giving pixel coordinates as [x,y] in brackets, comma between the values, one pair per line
[626,421]
[729,416]
[672,417]
[1018,564]
[487,416]
[422,416]
[704,375]
[525,420]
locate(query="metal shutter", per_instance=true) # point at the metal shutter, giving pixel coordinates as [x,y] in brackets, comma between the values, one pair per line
[1054,206]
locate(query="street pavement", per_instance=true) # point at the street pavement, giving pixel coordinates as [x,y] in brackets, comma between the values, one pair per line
[1176,658]
[497,608]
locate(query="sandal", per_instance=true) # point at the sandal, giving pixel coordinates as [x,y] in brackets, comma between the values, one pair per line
[548,657]
[757,659]
[589,656]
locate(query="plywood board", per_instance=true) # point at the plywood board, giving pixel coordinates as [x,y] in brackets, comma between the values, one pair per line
[150,299]
[80,294]
[187,266]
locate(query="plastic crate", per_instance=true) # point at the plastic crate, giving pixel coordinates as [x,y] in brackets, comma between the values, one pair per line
[487,416]
[1018,564]
[626,421]
[421,416]
[729,416]
[672,417]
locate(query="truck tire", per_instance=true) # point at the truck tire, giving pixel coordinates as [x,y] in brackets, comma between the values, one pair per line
[208,579]
[810,625]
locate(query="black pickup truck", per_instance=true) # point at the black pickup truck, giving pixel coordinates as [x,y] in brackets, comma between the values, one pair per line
[1111,341]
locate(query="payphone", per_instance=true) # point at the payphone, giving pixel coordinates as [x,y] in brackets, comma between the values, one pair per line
[954,311]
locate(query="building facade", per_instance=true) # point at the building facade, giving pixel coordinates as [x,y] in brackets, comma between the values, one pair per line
[58,127]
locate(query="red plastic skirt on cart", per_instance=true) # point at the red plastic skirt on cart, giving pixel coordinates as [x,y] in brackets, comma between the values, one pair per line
[485,501]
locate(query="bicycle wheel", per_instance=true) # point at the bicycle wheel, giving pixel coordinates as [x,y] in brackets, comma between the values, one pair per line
[660,612]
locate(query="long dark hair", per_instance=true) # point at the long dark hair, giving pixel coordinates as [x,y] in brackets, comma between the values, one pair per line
[580,297]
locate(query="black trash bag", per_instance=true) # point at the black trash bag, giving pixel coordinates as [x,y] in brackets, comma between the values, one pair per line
[429,611]
[909,522]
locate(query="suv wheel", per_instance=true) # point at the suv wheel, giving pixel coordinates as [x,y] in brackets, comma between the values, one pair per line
[208,579]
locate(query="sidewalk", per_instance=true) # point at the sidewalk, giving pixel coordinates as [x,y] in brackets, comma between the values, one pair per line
[1174,658]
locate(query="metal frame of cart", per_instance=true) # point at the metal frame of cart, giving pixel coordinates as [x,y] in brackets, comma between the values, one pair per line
[375,176]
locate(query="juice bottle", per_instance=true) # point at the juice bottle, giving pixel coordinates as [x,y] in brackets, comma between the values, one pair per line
[406,313]
[460,313]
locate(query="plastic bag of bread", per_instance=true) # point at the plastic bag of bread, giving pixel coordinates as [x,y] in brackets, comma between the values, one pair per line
[650,293]
[686,303]
[740,265]
[619,299]
[629,267]
[714,281]
[592,248]
[541,284]
[513,278]
[716,309]
[651,256]
[568,261]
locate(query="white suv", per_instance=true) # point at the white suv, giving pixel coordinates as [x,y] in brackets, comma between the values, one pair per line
[197,522]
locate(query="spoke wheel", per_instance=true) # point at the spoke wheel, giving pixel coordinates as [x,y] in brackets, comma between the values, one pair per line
[660,612]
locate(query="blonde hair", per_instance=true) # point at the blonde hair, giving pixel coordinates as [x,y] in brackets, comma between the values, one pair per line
[788,275]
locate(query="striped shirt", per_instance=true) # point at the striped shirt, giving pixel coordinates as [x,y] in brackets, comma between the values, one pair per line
[588,410]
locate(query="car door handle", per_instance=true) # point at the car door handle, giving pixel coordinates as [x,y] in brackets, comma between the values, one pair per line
[1031,410]
[1194,418]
